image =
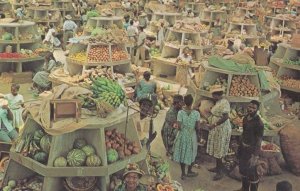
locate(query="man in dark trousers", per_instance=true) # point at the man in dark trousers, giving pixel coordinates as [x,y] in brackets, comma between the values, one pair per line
[253,130]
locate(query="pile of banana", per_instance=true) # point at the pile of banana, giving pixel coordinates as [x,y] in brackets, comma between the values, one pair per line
[109,91]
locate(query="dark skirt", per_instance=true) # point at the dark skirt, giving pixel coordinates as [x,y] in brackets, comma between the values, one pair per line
[244,155]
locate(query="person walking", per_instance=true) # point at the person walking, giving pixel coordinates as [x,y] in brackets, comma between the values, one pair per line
[69,29]
[186,146]
[169,130]
[141,47]
[253,130]
[220,131]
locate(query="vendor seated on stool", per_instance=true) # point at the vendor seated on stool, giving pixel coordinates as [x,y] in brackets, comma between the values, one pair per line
[7,132]
[131,178]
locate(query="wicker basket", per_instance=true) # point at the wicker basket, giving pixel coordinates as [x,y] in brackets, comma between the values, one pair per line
[69,185]
[270,153]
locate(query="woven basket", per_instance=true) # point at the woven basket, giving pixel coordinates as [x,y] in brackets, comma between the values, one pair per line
[270,153]
[72,61]
[290,147]
[68,184]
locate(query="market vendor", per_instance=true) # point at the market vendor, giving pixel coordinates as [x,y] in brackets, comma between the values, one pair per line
[183,69]
[160,36]
[131,179]
[15,104]
[220,131]
[248,154]
[69,29]
[7,132]
[188,13]
[51,38]
[40,80]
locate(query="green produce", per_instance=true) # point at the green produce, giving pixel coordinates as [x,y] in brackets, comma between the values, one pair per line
[41,157]
[88,150]
[92,13]
[293,62]
[60,162]
[98,31]
[7,188]
[12,183]
[112,155]
[76,157]
[45,143]
[108,91]
[7,36]
[79,143]
[38,134]
[93,160]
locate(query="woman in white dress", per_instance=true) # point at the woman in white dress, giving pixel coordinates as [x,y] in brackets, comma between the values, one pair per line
[15,104]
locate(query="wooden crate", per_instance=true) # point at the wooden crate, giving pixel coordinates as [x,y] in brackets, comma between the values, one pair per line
[296,41]
[65,108]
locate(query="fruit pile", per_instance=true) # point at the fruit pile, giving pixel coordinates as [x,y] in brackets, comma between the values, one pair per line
[242,86]
[34,183]
[118,54]
[14,55]
[82,154]
[158,167]
[108,91]
[118,146]
[80,57]
[100,53]
[293,62]
[35,145]
[290,82]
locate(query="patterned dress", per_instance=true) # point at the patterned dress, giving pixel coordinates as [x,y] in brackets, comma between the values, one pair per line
[122,187]
[41,77]
[168,132]
[219,137]
[145,89]
[185,148]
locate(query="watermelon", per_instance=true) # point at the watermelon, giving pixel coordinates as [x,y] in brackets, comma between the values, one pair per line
[38,134]
[7,36]
[88,150]
[93,160]
[60,162]
[112,155]
[45,143]
[79,143]
[41,157]
[76,157]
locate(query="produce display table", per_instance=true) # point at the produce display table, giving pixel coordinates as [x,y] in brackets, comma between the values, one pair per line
[280,28]
[5,7]
[65,7]
[286,66]
[104,22]
[21,36]
[45,15]
[94,132]
[175,41]
[210,16]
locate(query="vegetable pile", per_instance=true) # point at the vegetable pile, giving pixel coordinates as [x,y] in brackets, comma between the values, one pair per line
[24,53]
[293,62]
[92,13]
[113,35]
[158,167]
[7,36]
[82,154]
[35,145]
[34,183]
[220,82]
[100,53]
[242,86]
[118,146]
[290,82]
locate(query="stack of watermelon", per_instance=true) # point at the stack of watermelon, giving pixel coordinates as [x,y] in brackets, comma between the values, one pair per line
[82,154]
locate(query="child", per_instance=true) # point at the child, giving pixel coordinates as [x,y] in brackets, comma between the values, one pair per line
[16,104]
[7,132]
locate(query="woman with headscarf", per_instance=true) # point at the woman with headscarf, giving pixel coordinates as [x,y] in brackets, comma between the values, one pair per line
[131,178]
[146,88]
[220,133]
[169,130]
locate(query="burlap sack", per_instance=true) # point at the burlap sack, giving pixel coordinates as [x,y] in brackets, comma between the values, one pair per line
[290,147]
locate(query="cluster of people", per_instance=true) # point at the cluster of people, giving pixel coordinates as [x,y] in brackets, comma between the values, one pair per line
[181,132]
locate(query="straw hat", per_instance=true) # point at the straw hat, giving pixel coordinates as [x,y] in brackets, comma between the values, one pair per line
[216,89]
[133,168]
[69,17]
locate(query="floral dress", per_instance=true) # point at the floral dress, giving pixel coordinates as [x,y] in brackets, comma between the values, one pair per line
[219,137]
[185,148]
[122,187]
[168,132]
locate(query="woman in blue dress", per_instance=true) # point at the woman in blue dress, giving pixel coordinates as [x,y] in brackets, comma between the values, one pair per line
[185,148]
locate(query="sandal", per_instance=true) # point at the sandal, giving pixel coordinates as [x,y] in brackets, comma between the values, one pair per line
[192,174]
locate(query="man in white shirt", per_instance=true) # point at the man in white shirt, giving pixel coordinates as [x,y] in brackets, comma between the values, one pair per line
[141,47]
